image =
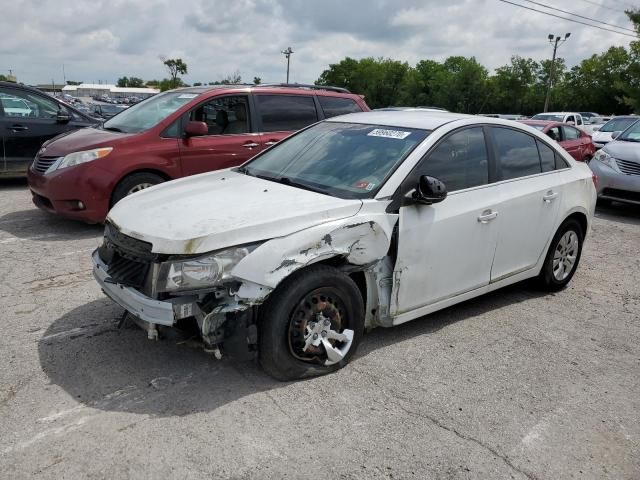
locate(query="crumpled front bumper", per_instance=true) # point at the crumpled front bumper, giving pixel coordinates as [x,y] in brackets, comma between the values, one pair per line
[137,304]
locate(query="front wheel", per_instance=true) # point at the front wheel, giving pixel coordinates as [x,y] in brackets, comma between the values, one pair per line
[134,183]
[311,324]
[563,256]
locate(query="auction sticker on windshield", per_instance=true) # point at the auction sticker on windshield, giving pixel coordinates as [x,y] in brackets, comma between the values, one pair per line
[188,95]
[381,132]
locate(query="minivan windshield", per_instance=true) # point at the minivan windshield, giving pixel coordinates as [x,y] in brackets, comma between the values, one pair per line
[631,134]
[148,113]
[346,160]
[618,124]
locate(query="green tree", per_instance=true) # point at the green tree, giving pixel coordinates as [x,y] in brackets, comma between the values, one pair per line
[631,87]
[169,84]
[3,78]
[176,67]
[257,80]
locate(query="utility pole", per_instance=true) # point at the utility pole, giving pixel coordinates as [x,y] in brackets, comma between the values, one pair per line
[64,75]
[287,53]
[555,41]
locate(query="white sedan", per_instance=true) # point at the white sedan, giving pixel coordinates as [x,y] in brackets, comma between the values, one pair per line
[364,220]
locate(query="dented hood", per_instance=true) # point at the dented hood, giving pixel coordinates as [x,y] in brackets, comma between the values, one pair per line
[222,209]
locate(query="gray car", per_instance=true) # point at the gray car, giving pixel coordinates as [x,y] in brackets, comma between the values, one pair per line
[617,166]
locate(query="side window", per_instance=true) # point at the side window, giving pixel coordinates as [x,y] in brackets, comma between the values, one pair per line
[571,119]
[333,106]
[18,103]
[555,133]
[284,113]
[547,157]
[571,133]
[561,162]
[460,160]
[517,153]
[224,115]
[579,120]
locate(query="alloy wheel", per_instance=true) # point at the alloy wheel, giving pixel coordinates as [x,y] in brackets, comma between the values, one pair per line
[565,255]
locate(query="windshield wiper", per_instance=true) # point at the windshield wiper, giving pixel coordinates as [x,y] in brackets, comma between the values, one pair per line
[112,129]
[304,186]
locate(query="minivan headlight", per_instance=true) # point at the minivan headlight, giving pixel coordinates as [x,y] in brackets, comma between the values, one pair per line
[200,272]
[76,158]
[603,157]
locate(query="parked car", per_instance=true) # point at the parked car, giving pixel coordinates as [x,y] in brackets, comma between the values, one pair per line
[504,116]
[575,141]
[595,123]
[172,135]
[106,111]
[588,116]
[616,124]
[617,166]
[364,220]
[28,118]
[572,118]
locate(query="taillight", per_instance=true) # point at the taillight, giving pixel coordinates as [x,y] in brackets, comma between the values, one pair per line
[594,177]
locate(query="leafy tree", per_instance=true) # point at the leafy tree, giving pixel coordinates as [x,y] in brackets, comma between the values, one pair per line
[197,84]
[257,80]
[3,78]
[176,67]
[169,84]
[73,82]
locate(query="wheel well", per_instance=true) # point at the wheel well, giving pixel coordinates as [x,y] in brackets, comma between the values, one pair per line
[581,218]
[143,170]
[357,276]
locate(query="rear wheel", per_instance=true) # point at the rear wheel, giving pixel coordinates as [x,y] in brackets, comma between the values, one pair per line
[134,183]
[563,256]
[311,324]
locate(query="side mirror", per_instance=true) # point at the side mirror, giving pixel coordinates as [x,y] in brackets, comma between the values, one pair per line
[616,134]
[63,117]
[430,190]
[196,129]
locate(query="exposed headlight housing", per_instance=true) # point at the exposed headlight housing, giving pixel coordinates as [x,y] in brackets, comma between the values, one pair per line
[76,158]
[201,272]
[603,157]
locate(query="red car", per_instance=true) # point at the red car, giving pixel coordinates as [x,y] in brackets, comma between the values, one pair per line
[171,135]
[575,141]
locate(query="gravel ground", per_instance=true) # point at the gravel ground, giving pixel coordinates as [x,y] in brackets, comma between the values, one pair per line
[516,384]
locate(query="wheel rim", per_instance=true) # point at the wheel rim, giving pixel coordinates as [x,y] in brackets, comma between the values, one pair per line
[138,187]
[318,330]
[565,255]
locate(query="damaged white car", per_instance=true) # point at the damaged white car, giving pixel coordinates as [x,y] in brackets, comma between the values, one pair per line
[364,220]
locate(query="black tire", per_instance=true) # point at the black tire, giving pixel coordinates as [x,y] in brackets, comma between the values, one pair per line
[130,182]
[547,279]
[280,322]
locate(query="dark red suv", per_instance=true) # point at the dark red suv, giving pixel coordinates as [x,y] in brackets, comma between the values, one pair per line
[171,135]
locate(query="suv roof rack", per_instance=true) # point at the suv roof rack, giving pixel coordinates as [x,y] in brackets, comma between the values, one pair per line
[304,85]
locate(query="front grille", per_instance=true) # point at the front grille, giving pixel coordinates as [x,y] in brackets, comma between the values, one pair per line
[621,194]
[42,164]
[128,259]
[628,167]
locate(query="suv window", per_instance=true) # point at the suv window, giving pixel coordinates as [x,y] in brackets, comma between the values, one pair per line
[547,157]
[224,115]
[284,113]
[333,106]
[460,160]
[570,118]
[571,133]
[517,153]
[18,103]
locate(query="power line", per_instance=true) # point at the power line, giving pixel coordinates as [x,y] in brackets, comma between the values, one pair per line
[569,19]
[551,7]
[602,6]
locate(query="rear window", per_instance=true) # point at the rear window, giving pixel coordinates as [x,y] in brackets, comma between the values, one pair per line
[517,153]
[284,113]
[333,106]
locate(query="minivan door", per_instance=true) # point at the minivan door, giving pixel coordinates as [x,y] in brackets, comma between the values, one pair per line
[230,140]
[281,115]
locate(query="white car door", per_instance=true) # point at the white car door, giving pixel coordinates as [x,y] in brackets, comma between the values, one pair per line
[447,248]
[530,193]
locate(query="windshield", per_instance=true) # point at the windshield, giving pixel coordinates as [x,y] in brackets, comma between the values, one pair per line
[537,127]
[545,116]
[149,113]
[631,134]
[618,124]
[112,108]
[346,160]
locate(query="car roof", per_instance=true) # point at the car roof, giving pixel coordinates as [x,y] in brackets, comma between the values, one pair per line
[291,88]
[420,119]
[559,113]
[541,122]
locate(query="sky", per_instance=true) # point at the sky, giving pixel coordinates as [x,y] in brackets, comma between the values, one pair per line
[102,40]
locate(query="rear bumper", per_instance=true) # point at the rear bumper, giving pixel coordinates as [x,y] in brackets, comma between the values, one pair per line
[60,191]
[616,186]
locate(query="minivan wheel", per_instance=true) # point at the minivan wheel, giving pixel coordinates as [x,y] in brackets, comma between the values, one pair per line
[311,324]
[563,256]
[134,183]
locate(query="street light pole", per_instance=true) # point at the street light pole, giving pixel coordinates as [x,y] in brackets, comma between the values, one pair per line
[287,53]
[555,42]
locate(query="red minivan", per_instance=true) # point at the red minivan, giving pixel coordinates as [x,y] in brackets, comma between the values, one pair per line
[171,135]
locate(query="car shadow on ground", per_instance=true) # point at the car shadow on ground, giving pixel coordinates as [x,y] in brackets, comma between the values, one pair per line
[118,369]
[34,224]
[619,212]
[13,184]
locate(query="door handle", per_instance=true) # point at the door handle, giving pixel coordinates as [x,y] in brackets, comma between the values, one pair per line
[271,142]
[549,196]
[487,216]
[18,128]
[250,145]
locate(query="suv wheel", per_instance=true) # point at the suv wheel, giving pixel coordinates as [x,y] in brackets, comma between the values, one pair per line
[311,324]
[134,183]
